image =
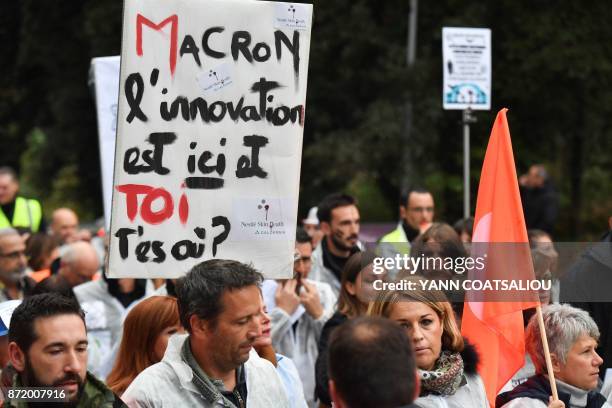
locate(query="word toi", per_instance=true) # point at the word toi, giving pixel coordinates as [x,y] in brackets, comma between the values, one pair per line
[148,215]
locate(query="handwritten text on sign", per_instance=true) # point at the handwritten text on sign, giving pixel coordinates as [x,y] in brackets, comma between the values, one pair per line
[210,124]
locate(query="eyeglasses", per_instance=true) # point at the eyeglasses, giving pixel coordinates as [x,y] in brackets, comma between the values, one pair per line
[422,209]
[14,255]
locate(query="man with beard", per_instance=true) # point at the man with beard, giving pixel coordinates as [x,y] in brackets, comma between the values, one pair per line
[214,365]
[48,348]
[339,218]
[13,280]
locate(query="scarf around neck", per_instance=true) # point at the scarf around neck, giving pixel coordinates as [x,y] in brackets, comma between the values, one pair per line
[445,377]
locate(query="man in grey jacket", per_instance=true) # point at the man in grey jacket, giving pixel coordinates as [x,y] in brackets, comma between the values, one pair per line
[214,365]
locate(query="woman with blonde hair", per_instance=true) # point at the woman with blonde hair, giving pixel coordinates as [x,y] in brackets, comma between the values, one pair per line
[445,361]
[146,331]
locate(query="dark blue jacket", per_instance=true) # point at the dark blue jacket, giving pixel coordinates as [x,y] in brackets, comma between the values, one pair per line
[538,387]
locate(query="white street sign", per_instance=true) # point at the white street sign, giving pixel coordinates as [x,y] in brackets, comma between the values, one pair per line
[466,63]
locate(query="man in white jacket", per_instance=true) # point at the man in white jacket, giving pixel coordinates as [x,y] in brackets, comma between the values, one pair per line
[300,310]
[214,365]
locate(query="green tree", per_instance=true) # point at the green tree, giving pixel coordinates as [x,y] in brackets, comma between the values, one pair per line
[551,68]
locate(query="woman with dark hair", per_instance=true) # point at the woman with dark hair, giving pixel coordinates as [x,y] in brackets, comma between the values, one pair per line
[545,259]
[446,363]
[464,228]
[146,331]
[440,240]
[355,292]
[41,250]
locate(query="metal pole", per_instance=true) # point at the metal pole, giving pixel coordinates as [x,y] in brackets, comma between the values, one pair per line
[467,119]
[412,26]
[408,157]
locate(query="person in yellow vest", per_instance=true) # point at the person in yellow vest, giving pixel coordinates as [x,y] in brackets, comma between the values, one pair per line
[416,210]
[24,214]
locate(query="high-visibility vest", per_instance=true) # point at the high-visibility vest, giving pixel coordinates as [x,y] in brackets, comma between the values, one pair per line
[397,239]
[27,214]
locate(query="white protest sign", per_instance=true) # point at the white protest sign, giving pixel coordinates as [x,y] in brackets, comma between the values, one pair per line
[104,73]
[466,63]
[211,118]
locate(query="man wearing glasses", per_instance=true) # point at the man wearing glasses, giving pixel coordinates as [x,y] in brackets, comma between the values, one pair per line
[300,310]
[416,209]
[13,263]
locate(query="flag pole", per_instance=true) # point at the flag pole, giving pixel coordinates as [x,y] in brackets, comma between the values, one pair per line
[549,367]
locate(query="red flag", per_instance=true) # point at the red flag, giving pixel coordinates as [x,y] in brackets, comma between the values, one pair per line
[496,328]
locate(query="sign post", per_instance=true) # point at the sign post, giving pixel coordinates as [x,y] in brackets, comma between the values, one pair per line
[104,76]
[466,59]
[209,136]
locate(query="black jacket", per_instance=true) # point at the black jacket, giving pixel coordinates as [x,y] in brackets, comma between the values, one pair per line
[540,206]
[588,286]
[538,387]
[321,375]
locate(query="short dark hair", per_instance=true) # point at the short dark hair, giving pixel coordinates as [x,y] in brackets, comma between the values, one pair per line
[541,170]
[200,291]
[332,201]
[54,284]
[372,364]
[45,305]
[405,194]
[8,171]
[534,234]
[464,224]
[301,236]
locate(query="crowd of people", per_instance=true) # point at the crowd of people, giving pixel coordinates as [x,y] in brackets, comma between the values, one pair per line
[223,336]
